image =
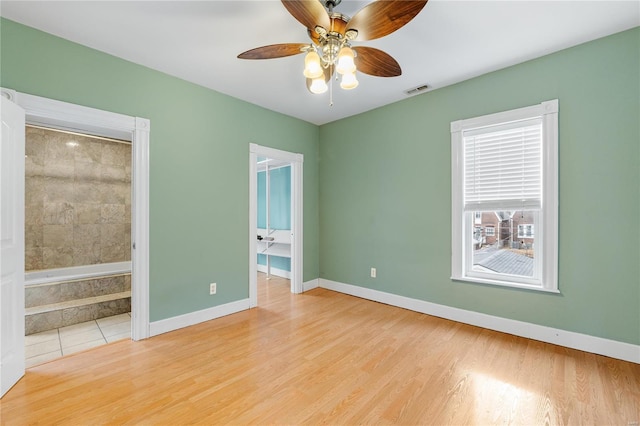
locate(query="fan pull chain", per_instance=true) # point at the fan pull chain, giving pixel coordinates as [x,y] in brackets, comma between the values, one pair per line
[330,92]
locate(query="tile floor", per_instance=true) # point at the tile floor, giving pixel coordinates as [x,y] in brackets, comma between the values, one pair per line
[51,344]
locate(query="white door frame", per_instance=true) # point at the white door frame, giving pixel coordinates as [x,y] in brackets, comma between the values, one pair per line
[296,161]
[62,115]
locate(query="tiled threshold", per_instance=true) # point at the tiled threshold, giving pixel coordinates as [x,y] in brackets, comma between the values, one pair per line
[76,303]
[49,345]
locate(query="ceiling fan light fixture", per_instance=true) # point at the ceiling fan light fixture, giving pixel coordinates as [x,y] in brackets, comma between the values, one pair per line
[318,86]
[346,64]
[349,81]
[330,54]
[312,66]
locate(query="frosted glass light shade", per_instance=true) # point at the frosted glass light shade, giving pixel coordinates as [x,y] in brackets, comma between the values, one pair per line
[346,63]
[318,85]
[349,81]
[312,66]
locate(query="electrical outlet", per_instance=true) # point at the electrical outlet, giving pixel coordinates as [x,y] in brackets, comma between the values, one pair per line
[212,288]
[373,272]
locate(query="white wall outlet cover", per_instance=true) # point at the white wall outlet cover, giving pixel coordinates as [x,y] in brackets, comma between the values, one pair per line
[212,288]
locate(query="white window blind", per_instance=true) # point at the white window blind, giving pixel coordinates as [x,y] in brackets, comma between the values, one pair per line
[503,166]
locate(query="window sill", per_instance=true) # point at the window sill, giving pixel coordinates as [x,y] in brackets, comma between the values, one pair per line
[498,283]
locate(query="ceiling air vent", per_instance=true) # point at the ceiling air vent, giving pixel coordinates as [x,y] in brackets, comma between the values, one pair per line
[416,90]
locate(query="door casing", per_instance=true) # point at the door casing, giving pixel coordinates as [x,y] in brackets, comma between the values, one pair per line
[296,161]
[66,116]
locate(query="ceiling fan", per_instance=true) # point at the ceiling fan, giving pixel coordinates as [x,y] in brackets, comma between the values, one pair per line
[331,35]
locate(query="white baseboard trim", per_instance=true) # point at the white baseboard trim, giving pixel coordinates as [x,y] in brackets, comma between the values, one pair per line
[275,271]
[569,339]
[192,318]
[310,285]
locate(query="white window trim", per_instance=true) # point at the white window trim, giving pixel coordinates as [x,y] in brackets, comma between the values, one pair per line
[521,226]
[547,240]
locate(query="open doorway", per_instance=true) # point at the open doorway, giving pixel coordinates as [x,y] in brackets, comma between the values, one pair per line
[275,220]
[77,242]
[43,112]
[274,225]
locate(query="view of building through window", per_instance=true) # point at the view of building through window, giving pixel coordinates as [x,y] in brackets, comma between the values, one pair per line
[503,242]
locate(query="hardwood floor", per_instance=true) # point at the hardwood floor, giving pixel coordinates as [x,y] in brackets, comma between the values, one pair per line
[325,357]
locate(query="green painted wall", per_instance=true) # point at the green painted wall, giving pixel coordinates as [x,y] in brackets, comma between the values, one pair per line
[385,191]
[199,153]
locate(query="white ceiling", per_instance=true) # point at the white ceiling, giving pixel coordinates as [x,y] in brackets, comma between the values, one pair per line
[449,41]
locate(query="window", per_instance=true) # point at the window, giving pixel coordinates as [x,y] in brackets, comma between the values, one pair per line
[504,186]
[478,218]
[525,231]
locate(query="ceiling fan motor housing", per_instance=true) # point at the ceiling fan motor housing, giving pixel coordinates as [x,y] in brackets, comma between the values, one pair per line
[330,4]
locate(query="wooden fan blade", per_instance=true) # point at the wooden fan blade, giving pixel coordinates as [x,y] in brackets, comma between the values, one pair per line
[308,12]
[273,51]
[376,62]
[381,18]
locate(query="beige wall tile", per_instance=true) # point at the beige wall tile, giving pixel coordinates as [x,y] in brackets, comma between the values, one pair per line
[87,254]
[34,214]
[56,148]
[113,173]
[88,172]
[86,234]
[127,241]
[64,170]
[33,236]
[34,190]
[114,253]
[33,259]
[113,154]
[113,193]
[57,190]
[87,213]
[111,234]
[42,322]
[41,295]
[113,307]
[108,285]
[32,168]
[57,235]
[58,214]
[88,151]
[87,192]
[76,214]
[112,213]
[78,315]
[127,213]
[77,290]
[61,257]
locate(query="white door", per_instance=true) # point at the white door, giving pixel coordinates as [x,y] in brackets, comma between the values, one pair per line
[11,245]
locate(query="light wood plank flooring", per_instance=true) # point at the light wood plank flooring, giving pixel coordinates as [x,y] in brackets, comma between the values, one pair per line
[327,358]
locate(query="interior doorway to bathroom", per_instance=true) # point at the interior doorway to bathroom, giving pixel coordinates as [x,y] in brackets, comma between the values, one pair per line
[275,226]
[77,242]
[49,113]
[273,237]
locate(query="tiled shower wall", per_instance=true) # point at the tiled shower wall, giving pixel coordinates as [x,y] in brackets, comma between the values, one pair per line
[77,200]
